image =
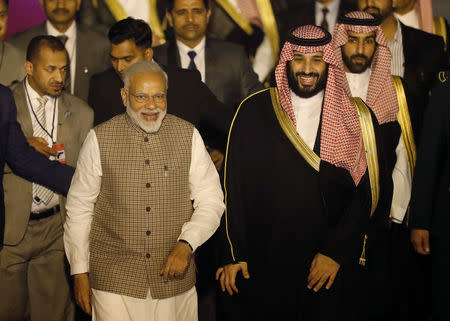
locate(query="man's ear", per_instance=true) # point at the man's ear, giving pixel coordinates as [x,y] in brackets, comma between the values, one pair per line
[169,18]
[123,93]
[148,54]
[28,67]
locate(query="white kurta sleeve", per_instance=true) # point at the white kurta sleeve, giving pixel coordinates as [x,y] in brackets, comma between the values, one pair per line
[81,199]
[206,192]
[402,184]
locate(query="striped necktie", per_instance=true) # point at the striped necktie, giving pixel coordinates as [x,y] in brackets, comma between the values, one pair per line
[40,193]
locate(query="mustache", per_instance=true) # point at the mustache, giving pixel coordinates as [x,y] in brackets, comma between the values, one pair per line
[359,56]
[370,7]
[56,83]
[60,10]
[149,111]
[190,25]
[311,74]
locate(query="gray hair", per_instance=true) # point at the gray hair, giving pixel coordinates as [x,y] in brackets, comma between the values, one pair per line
[145,66]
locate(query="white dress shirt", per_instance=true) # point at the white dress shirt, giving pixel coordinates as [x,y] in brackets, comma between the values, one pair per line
[139,9]
[396,48]
[307,115]
[401,175]
[410,19]
[71,47]
[264,57]
[204,188]
[332,15]
[199,59]
[49,118]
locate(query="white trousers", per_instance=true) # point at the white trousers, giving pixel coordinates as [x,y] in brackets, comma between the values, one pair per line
[109,306]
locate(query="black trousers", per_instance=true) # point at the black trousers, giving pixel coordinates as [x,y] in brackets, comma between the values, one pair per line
[440,257]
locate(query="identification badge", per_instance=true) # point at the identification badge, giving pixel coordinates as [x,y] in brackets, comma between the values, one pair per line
[61,157]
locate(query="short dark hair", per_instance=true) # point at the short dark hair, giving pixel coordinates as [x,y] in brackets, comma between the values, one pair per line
[35,45]
[131,28]
[171,4]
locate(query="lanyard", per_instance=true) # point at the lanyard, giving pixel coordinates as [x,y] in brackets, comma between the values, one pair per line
[36,118]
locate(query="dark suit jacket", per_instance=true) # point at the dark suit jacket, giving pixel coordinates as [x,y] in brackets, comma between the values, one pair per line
[424,58]
[187,97]
[430,205]
[305,14]
[228,71]
[92,54]
[24,160]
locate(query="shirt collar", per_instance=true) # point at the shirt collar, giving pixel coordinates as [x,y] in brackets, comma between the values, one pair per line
[71,33]
[33,93]
[198,49]
[398,33]
[332,7]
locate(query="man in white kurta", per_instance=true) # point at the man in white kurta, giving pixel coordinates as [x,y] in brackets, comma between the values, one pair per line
[145,97]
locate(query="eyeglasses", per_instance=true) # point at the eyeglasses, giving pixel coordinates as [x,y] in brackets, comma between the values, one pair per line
[143,98]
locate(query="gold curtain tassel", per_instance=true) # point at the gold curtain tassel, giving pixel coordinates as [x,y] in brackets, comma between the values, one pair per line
[362,259]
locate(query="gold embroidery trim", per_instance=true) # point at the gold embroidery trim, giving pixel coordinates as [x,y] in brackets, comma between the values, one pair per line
[95,3]
[225,171]
[119,13]
[236,16]
[370,147]
[405,123]
[440,29]
[443,76]
[291,133]
[270,26]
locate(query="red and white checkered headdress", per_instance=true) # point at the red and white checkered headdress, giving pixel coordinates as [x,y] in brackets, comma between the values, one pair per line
[381,95]
[341,140]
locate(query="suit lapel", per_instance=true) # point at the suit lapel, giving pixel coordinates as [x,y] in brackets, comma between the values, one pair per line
[23,113]
[173,55]
[209,63]
[64,117]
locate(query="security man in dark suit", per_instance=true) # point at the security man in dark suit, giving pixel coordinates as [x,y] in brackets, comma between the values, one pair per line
[430,205]
[24,160]
[224,66]
[187,97]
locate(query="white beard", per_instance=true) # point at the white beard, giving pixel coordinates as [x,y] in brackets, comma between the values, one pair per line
[147,126]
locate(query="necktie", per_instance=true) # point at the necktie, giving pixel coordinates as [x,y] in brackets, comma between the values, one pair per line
[192,55]
[40,193]
[63,39]
[324,23]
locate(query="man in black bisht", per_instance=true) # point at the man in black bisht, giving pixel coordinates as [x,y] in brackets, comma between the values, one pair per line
[298,192]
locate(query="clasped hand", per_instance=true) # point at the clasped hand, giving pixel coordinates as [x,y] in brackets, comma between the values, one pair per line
[323,269]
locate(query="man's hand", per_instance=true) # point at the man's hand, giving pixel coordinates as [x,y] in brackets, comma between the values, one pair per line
[217,158]
[177,261]
[227,275]
[323,268]
[83,292]
[421,241]
[41,145]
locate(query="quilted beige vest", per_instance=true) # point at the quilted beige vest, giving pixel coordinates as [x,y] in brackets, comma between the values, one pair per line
[144,201]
